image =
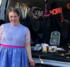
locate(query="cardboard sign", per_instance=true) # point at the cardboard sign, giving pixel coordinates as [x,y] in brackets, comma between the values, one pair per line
[56,11]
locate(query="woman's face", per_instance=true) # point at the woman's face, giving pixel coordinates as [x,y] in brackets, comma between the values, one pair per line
[14,18]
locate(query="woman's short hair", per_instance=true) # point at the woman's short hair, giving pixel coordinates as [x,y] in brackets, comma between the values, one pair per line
[12,9]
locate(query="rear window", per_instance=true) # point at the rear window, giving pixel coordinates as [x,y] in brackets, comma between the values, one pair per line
[0,2]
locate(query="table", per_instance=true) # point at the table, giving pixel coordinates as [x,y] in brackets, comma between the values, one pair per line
[53,59]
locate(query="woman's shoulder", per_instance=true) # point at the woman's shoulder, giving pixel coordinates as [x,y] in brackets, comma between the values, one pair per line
[22,26]
[5,24]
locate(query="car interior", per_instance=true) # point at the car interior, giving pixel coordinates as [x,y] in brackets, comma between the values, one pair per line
[45,29]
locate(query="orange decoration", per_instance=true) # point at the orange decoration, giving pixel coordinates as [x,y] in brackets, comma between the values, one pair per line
[26,7]
[59,10]
[19,4]
[56,11]
[68,5]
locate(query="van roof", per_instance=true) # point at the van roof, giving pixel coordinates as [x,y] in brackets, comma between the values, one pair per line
[41,3]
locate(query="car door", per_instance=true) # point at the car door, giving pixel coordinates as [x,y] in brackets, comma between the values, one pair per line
[3,8]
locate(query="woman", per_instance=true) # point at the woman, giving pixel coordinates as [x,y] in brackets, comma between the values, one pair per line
[15,50]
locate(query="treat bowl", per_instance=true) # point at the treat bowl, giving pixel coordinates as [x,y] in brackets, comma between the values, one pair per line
[52,49]
[61,50]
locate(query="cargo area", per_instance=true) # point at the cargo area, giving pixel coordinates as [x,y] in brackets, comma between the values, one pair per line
[52,30]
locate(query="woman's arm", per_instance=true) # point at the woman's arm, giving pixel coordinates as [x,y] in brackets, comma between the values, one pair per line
[28,49]
[28,46]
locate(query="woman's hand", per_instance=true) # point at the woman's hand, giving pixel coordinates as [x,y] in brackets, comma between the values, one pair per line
[32,62]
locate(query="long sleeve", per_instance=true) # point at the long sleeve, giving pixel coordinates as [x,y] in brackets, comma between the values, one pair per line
[28,37]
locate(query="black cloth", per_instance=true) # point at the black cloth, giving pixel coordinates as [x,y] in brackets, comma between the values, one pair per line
[2,22]
[51,56]
[56,25]
[41,29]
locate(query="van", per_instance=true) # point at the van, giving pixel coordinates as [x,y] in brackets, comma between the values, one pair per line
[41,27]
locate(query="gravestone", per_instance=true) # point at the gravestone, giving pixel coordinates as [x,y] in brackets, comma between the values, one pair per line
[55,38]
